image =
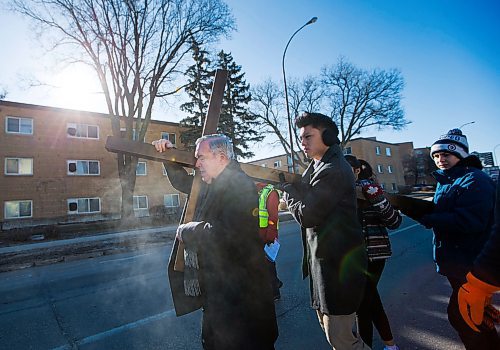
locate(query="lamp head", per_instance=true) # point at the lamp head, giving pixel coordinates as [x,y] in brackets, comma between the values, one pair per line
[312,20]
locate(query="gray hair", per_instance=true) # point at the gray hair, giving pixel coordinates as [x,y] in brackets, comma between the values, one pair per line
[218,143]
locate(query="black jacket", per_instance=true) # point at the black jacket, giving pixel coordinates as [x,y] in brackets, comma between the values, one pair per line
[236,292]
[324,204]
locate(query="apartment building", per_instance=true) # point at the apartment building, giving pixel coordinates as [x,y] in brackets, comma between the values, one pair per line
[385,158]
[281,162]
[55,168]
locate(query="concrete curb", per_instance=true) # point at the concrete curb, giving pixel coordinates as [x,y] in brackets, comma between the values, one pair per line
[45,253]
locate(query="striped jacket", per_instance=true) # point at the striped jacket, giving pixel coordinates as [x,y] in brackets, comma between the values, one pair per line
[375,218]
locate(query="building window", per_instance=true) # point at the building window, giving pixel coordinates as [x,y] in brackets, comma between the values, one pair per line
[389,169]
[141,169]
[382,185]
[18,166]
[83,131]
[380,168]
[171,200]
[168,136]
[140,202]
[388,151]
[15,125]
[135,135]
[347,150]
[277,164]
[377,150]
[83,167]
[84,205]
[394,186]
[18,209]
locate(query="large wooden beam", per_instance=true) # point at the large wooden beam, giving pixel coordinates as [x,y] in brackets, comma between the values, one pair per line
[187,159]
[411,206]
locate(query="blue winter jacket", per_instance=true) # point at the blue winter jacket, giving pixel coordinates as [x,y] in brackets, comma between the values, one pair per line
[463,216]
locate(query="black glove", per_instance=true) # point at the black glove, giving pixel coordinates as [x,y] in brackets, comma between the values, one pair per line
[283,184]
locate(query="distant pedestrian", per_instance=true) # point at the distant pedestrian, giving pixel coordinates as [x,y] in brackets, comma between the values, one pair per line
[376,214]
[461,221]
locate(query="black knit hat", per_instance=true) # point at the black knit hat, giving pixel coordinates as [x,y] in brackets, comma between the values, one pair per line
[453,142]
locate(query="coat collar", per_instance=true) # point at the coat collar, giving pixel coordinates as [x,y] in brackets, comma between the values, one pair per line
[331,153]
[463,167]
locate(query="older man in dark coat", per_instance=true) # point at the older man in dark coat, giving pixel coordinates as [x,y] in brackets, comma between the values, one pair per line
[238,307]
[324,204]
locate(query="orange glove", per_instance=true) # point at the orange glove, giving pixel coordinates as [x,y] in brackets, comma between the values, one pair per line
[473,297]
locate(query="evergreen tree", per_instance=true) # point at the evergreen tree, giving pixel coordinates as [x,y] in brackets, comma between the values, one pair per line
[199,87]
[236,121]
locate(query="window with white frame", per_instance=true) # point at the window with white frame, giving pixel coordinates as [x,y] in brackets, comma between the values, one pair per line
[84,205]
[389,169]
[17,125]
[377,150]
[135,134]
[171,200]
[380,168]
[382,185]
[18,166]
[140,202]
[83,167]
[394,186]
[169,136]
[347,150]
[18,209]
[83,131]
[141,169]
[388,151]
[277,163]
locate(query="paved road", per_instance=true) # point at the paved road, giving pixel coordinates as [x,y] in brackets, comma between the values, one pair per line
[123,301]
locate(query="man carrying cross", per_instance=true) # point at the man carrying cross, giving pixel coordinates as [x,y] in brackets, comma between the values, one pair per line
[224,259]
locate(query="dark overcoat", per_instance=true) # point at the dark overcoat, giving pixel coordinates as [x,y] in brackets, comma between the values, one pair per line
[324,204]
[236,290]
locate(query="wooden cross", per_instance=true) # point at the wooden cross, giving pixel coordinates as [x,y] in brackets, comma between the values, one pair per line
[182,303]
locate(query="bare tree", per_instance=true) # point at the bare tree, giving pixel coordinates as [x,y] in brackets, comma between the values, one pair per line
[268,103]
[360,99]
[136,49]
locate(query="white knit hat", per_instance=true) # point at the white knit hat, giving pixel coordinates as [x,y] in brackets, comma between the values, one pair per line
[453,142]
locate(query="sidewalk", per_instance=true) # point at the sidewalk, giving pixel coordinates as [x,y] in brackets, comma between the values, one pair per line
[44,253]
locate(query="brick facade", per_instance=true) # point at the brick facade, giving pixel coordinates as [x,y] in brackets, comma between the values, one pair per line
[51,183]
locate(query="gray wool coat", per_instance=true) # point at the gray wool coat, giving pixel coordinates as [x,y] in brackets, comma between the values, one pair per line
[324,204]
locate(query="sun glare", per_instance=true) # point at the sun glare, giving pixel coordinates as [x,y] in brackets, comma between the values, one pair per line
[77,87]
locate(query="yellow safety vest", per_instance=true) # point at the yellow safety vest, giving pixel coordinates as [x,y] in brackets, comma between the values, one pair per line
[263,213]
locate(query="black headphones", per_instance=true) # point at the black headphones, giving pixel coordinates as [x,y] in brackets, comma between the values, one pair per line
[329,137]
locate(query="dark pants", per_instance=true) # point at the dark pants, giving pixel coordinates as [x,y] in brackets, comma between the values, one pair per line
[484,340]
[219,335]
[371,311]
[275,281]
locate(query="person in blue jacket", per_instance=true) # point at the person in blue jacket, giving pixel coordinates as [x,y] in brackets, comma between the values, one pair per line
[461,221]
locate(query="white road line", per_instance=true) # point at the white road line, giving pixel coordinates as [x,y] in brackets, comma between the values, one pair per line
[113,331]
[121,259]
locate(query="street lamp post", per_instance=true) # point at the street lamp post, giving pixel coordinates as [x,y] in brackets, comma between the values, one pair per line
[311,21]
[461,126]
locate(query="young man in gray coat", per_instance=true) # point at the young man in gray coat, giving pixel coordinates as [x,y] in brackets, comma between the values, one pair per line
[324,204]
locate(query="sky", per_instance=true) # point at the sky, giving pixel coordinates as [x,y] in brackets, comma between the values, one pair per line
[448,53]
